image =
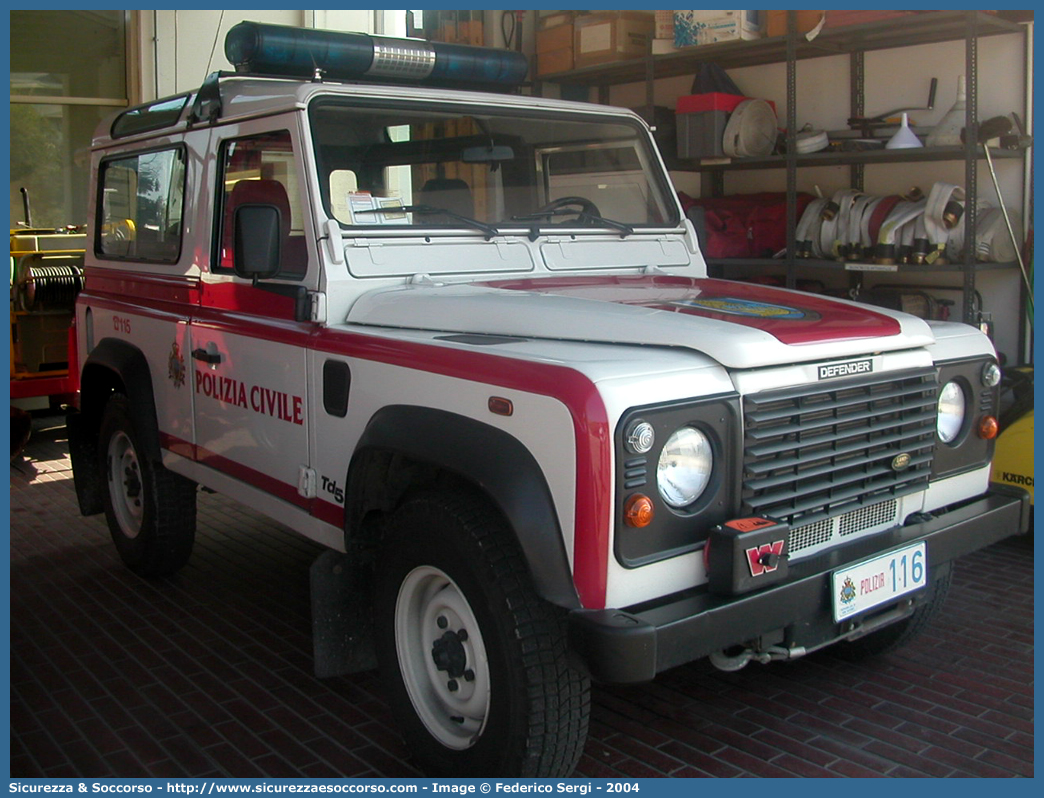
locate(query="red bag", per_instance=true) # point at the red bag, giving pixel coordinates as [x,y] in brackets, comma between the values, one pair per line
[743,225]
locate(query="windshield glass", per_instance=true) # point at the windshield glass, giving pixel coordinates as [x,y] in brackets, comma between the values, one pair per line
[485,169]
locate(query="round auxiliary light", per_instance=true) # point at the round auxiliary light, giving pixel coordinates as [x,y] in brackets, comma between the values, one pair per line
[988,428]
[951,412]
[991,375]
[639,511]
[685,467]
[640,437]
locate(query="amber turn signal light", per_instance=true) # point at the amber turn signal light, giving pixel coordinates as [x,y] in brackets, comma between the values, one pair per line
[988,428]
[638,511]
[501,406]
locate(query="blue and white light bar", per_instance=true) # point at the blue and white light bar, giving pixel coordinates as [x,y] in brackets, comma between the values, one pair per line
[306,53]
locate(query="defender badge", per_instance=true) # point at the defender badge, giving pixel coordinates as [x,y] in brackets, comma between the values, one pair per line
[848,591]
[846,369]
[176,366]
[900,461]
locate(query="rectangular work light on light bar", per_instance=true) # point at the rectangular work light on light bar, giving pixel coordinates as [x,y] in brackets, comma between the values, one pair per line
[284,51]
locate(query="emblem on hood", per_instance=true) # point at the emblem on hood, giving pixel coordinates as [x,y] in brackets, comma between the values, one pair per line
[733,306]
[846,369]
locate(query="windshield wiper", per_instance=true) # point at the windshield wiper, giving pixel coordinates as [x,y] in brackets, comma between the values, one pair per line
[581,216]
[431,210]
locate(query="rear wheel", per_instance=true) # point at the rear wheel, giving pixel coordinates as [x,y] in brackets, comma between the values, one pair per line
[475,662]
[902,632]
[151,511]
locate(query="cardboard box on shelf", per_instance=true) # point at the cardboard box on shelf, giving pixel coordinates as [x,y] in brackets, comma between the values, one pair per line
[663,46]
[557,38]
[664,24]
[776,25]
[556,18]
[608,36]
[554,48]
[552,61]
[708,27]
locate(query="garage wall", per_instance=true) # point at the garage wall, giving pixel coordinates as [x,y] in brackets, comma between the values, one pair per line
[178,49]
[894,78]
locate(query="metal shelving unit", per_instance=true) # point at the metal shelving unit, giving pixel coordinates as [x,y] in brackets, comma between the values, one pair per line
[927,28]
[867,157]
[853,40]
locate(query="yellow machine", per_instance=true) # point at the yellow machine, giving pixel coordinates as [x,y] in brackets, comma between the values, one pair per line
[1013,459]
[46,276]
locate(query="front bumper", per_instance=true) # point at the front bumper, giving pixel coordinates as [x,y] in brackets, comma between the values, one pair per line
[634,644]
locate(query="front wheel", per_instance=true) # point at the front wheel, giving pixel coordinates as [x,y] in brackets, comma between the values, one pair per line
[475,662]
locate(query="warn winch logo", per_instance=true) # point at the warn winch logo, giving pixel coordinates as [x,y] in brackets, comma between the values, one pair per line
[764,559]
[846,369]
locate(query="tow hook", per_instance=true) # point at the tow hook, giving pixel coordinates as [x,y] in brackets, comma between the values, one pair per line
[734,662]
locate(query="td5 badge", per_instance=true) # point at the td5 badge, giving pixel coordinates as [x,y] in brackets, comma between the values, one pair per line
[746,554]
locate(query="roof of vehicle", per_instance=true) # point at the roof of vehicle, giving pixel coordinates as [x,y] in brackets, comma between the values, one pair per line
[248,96]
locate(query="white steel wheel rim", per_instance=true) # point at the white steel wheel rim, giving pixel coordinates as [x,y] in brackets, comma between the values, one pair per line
[442,657]
[125,484]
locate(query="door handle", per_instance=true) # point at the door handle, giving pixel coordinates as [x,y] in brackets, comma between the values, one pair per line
[207,357]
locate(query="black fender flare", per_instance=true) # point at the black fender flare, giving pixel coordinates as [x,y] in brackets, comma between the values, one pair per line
[128,365]
[492,460]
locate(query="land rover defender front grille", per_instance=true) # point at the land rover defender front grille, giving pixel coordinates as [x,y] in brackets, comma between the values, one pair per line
[817,451]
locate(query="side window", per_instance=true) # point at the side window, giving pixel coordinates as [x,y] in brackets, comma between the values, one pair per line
[260,170]
[141,203]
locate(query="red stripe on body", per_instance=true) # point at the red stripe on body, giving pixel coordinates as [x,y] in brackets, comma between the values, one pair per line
[573,389]
[244,473]
[789,317]
[247,299]
[134,287]
[580,396]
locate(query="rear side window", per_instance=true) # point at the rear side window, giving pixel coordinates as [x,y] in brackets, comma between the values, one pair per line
[142,206]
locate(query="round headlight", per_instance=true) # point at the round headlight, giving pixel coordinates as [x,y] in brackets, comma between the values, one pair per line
[951,412]
[685,466]
[991,375]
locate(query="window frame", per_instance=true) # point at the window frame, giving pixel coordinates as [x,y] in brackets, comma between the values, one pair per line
[658,181]
[99,216]
[221,197]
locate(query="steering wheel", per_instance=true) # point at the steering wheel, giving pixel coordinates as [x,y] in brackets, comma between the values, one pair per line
[583,205]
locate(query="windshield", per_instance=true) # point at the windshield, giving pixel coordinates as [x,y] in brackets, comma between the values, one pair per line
[490,170]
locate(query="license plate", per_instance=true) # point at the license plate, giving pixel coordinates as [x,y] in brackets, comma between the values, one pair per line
[868,584]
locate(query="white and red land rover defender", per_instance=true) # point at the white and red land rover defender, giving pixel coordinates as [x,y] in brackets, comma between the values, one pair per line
[466,340]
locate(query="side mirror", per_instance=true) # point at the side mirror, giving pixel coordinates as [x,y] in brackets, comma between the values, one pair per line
[256,242]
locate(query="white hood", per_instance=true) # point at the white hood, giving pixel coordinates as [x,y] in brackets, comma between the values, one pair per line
[740,325]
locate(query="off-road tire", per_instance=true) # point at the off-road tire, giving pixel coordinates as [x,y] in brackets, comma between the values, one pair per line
[454,550]
[900,633]
[151,511]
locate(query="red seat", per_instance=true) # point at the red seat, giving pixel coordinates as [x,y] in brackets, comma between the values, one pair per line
[255,192]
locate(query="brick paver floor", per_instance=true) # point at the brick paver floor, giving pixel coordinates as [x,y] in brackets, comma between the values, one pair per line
[209,673]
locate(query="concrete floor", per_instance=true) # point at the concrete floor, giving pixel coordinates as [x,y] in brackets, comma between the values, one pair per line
[209,673]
